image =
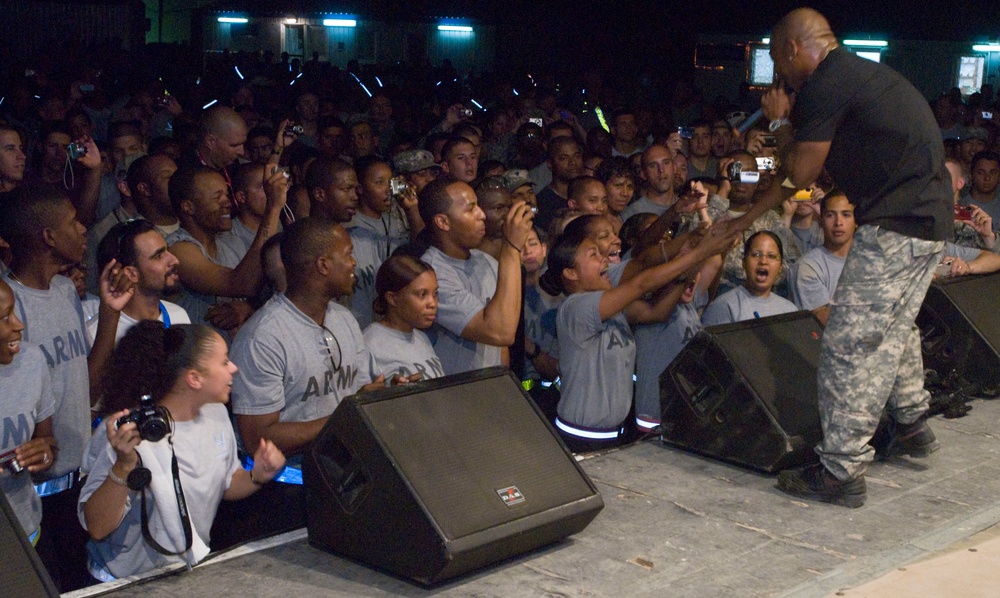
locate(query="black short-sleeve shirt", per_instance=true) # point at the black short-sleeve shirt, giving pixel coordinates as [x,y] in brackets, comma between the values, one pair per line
[885,152]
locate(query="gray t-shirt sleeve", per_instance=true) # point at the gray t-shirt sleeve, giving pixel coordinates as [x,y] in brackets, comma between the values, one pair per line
[456,305]
[258,388]
[966,254]
[717,312]
[810,286]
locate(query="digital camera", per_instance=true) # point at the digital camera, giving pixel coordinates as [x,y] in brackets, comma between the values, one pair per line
[294,129]
[465,112]
[398,185]
[735,174]
[766,163]
[151,420]
[963,213]
[76,150]
[9,462]
[685,132]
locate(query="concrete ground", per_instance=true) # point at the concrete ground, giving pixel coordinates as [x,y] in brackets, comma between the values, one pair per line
[677,524]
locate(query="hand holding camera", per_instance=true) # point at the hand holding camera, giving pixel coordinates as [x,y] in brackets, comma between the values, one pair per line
[276,187]
[33,456]
[518,224]
[152,422]
[85,151]
[404,193]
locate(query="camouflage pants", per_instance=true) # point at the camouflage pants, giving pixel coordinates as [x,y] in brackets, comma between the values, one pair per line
[870,354]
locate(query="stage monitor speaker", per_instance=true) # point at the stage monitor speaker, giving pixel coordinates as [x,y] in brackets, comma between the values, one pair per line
[746,393]
[431,480]
[23,574]
[960,328]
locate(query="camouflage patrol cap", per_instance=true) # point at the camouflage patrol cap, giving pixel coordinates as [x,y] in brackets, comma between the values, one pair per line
[413,161]
[512,179]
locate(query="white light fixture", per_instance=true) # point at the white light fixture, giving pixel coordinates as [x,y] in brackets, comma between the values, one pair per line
[869,55]
[340,22]
[766,40]
[233,20]
[460,28]
[866,43]
[291,20]
[986,48]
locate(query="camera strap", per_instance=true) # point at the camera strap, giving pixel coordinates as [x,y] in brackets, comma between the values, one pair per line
[181,506]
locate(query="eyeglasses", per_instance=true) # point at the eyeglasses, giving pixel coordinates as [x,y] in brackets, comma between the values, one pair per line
[328,336]
[771,257]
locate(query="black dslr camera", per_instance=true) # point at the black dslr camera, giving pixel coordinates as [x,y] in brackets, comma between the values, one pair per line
[151,420]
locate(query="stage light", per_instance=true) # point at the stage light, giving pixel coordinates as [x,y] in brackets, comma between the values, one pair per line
[340,22]
[986,48]
[233,20]
[460,28]
[866,43]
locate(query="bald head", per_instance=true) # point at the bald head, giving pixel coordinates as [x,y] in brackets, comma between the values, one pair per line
[222,133]
[806,26]
[799,42]
[218,119]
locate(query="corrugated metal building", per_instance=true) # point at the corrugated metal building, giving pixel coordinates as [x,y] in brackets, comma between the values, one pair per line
[368,36]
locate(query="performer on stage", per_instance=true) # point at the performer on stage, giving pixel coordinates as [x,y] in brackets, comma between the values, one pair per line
[880,142]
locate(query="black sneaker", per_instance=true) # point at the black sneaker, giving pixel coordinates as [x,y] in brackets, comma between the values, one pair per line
[916,440]
[815,482]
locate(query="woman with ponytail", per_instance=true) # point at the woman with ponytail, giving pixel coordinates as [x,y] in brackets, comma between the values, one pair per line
[182,475]
[596,347]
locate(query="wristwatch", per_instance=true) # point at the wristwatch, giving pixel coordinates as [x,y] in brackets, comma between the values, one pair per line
[777,124]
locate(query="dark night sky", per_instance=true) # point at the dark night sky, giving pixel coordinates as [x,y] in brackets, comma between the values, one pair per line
[563,32]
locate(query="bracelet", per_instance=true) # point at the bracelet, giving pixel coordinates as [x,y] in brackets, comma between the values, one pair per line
[114,478]
[511,243]
[536,352]
[255,482]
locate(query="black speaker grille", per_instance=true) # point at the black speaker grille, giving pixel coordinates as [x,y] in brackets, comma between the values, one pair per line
[778,357]
[493,443]
[23,575]
[976,297]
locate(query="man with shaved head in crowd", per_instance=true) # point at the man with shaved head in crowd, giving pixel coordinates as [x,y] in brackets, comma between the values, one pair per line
[221,138]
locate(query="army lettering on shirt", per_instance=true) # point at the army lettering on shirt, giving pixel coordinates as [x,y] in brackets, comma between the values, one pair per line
[397,352]
[54,323]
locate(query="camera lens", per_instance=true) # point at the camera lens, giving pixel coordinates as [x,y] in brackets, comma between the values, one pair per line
[153,428]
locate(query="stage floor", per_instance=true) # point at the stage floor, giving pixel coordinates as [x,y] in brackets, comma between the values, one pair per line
[676,524]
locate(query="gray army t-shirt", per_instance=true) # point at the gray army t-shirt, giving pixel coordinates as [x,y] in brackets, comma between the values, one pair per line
[54,322]
[464,289]
[289,364]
